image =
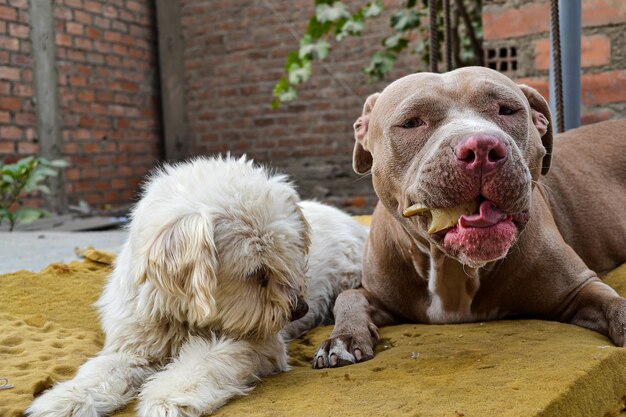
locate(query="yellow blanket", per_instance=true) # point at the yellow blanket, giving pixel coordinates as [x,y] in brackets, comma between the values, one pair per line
[522,368]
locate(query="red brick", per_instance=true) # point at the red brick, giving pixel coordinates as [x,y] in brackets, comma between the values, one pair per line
[10,73]
[91,147]
[23,90]
[87,122]
[72,174]
[605,87]
[76,81]
[20,4]
[82,43]
[101,22]
[19,31]
[74,3]
[20,60]
[82,17]
[8,13]
[119,183]
[603,12]
[134,5]
[10,103]
[10,132]
[5,117]
[74,28]
[70,148]
[110,12]
[7,147]
[93,33]
[112,36]
[26,148]
[93,6]
[63,40]
[595,51]
[63,13]
[95,58]
[501,22]
[25,119]
[11,44]
[119,26]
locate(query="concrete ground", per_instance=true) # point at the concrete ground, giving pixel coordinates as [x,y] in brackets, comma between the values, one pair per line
[35,250]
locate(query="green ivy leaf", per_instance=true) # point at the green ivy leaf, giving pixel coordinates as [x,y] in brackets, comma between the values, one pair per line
[317,29]
[313,50]
[350,28]
[331,13]
[283,92]
[395,42]
[292,58]
[299,73]
[288,95]
[403,21]
[373,9]
[381,63]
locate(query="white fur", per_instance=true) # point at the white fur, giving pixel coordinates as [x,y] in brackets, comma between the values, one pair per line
[215,262]
[335,258]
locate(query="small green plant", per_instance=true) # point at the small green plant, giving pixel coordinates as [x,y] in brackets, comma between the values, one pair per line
[20,179]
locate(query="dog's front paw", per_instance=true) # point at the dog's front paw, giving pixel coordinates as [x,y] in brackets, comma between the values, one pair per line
[62,402]
[165,408]
[346,349]
[616,318]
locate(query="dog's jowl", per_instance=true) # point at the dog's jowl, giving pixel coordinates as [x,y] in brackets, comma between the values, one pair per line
[206,290]
[482,215]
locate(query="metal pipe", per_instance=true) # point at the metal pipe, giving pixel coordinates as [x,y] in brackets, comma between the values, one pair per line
[570,14]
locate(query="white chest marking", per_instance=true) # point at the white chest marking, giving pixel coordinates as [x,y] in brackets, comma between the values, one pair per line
[451,293]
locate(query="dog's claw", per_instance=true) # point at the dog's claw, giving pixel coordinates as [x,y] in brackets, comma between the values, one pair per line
[343,350]
[333,360]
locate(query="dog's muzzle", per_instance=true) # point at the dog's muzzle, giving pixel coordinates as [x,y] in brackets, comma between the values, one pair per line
[299,310]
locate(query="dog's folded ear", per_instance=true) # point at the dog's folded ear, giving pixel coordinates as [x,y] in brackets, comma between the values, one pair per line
[362,158]
[540,112]
[181,261]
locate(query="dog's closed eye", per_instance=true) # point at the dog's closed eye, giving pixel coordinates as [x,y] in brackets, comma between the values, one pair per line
[260,275]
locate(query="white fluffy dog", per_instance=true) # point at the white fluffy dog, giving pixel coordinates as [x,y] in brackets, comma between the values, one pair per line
[217,263]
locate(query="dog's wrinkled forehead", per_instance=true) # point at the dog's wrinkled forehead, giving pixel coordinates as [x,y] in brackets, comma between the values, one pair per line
[462,87]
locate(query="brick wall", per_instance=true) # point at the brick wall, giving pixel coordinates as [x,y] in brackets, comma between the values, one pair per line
[524,25]
[17,117]
[108,94]
[235,53]
[108,90]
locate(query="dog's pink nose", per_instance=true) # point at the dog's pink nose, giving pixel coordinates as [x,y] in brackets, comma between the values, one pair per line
[480,155]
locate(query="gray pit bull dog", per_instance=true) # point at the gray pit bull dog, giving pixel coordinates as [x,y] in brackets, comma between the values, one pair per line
[470,226]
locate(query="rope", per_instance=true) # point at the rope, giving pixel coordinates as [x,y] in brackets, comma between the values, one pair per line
[556,58]
[434,36]
[448,34]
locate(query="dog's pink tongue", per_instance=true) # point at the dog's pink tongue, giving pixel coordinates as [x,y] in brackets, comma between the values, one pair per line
[488,215]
